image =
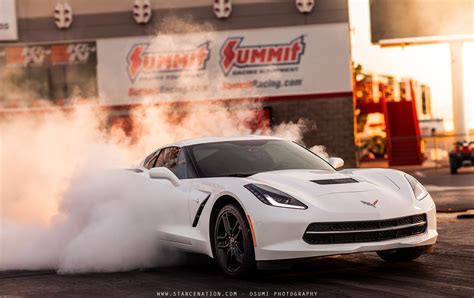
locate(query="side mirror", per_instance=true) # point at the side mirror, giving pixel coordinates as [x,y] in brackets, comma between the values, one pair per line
[165,174]
[336,162]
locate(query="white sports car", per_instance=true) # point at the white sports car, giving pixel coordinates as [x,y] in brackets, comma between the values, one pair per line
[246,200]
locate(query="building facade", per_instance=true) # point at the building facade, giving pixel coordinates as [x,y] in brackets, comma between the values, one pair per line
[120,51]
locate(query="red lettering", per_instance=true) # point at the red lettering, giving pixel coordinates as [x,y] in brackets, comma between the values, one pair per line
[275,55]
[135,61]
[258,55]
[180,61]
[242,56]
[148,62]
[138,60]
[229,54]
[295,49]
[234,55]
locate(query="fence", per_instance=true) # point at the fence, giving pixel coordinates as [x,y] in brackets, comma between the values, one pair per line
[437,147]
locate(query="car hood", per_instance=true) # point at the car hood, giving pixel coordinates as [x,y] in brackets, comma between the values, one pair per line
[340,191]
[317,182]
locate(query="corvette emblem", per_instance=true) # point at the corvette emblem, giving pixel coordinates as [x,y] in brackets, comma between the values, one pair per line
[370,204]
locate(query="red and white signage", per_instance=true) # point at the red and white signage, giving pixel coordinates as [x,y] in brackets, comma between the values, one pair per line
[45,55]
[141,61]
[310,59]
[241,56]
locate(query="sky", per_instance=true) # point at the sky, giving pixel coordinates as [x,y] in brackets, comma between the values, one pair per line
[428,64]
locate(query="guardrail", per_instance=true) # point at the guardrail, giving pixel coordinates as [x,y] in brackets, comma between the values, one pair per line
[435,147]
[438,146]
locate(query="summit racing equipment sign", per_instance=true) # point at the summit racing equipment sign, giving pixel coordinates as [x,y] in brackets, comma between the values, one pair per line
[140,60]
[233,54]
[253,63]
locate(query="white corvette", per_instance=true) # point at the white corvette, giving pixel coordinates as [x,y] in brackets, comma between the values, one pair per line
[250,199]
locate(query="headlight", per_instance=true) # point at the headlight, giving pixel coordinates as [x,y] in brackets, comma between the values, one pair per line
[418,189]
[274,197]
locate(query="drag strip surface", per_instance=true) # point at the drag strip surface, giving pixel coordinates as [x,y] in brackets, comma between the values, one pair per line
[446,272]
[451,193]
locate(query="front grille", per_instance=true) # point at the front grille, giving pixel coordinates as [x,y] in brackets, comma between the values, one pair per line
[365,231]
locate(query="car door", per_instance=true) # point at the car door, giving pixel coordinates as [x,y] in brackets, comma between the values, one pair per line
[175,224]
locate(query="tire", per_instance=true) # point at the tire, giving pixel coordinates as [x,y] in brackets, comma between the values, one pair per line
[232,242]
[400,255]
[453,167]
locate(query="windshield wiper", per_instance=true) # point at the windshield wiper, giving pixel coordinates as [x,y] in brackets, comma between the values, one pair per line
[239,174]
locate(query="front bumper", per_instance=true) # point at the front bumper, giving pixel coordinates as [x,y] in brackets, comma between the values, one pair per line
[283,239]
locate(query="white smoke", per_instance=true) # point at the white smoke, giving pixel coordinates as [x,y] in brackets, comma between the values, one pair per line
[63,206]
[321,151]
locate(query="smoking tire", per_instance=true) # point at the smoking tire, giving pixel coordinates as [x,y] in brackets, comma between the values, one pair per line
[400,255]
[233,245]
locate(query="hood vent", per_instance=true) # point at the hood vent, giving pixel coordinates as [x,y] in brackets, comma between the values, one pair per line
[335,181]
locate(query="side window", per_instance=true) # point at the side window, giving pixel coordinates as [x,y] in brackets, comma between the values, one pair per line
[147,159]
[149,163]
[173,158]
[181,168]
[160,162]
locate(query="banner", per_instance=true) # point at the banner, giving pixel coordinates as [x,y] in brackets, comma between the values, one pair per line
[46,55]
[59,73]
[8,25]
[225,64]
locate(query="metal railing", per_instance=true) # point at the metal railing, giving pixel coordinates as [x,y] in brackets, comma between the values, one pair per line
[435,147]
[438,146]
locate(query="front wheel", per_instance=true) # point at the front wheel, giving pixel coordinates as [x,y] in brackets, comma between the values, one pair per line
[400,255]
[233,245]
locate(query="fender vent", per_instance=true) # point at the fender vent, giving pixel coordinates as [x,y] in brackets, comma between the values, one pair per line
[335,181]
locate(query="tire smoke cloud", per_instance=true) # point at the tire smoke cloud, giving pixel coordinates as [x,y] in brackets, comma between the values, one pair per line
[64,203]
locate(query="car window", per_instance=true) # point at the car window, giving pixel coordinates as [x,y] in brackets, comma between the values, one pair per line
[174,159]
[150,162]
[171,157]
[245,158]
[181,168]
[161,158]
[147,159]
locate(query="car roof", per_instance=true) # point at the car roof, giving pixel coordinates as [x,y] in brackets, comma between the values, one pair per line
[219,140]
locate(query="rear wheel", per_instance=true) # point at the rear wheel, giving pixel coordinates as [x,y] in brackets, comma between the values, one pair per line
[233,246]
[453,166]
[401,254]
[454,169]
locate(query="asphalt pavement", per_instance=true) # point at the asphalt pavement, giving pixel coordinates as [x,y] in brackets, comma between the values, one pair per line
[448,271]
[451,193]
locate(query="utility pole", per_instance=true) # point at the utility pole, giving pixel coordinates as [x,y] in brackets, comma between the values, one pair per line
[459,110]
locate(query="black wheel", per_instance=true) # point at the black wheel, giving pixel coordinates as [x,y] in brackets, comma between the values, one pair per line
[401,255]
[453,167]
[232,243]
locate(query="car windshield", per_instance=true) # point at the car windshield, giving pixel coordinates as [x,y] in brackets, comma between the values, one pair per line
[245,158]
